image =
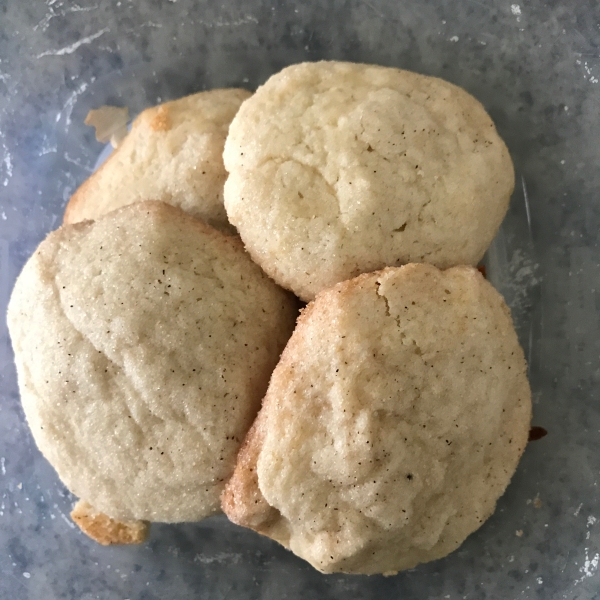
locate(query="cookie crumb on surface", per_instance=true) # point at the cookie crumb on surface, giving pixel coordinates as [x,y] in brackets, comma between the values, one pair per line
[106,531]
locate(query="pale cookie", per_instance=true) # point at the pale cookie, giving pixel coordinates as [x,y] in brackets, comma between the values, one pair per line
[144,342]
[392,424]
[172,154]
[106,531]
[336,169]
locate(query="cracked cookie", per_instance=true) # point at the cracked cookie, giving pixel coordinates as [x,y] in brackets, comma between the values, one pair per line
[336,169]
[392,424]
[172,154]
[144,342]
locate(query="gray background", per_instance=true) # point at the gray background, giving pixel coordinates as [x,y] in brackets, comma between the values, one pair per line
[535,66]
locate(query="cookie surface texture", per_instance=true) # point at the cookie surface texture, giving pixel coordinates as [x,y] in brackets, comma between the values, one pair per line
[144,342]
[336,169]
[392,424]
[172,154]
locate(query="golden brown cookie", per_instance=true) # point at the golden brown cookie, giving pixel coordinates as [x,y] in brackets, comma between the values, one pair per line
[392,424]
[337,169]
[172,154]
[144,342]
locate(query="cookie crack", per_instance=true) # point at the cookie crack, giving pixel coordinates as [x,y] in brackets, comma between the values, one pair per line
[403,337]
[281,160]
[381,295]
[423,207]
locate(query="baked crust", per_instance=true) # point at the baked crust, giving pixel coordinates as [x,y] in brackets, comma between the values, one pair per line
[173,153]
[392,424]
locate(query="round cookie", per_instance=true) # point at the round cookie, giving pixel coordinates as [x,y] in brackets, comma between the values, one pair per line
[174,153]
[144,342]
[392,424]
[336,169]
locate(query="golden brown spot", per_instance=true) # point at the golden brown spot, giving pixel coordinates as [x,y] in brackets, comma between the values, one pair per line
[161,120]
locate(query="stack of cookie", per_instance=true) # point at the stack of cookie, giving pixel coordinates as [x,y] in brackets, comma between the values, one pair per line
[145,338]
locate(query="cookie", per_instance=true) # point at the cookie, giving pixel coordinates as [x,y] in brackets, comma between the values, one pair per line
[144,342]
[172,154]
[336,169]
[392,424]
[106,531]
